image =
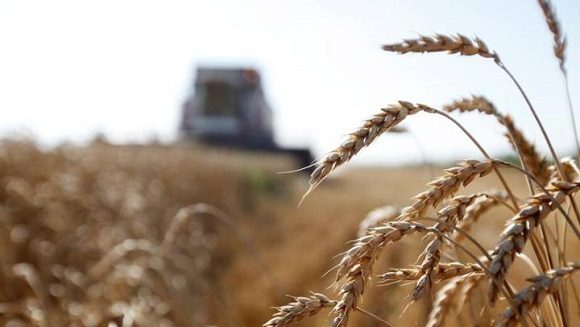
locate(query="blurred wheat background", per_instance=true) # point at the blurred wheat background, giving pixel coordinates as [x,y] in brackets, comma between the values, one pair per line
[117,212]
[71,209]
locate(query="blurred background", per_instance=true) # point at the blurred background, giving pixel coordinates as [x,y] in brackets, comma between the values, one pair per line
[142,140]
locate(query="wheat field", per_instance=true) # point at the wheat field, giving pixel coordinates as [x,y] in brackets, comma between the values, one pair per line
[188,235]
[65,210]
[83,230]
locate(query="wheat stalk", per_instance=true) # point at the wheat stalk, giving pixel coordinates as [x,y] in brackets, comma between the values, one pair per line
[439,43]
[372,128]
[520,227]
[442,271]
[447,298]
[554,26]
[377,217]
[532,296]
[466,46]
[449,217]
[446,185]
[533,161]
[569,167]
[356,264]
[482,203]
[301,308]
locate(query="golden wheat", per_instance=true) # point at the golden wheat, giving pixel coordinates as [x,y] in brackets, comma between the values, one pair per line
[371,129]
[520,227]
[532,296]
[299,309]
[534,162]
[439,43]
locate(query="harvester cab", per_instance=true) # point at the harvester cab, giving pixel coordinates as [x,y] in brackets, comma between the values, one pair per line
[227,107]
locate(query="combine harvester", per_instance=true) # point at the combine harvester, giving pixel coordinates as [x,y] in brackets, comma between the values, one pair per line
[227,108]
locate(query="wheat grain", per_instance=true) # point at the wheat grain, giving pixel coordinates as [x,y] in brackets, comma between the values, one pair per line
[372,128]
[554,26]
[448,298]
[532,296]
[569,168]
[446,185]
[356,264]
[482,203]
[442,271]
[377,217]
[301,308]
[519,228]
[449,216]
[533,161]
[439,43]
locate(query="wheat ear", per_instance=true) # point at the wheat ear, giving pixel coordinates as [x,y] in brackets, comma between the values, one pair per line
[372,128]
[447,185]
[449,217]
[484,202]
[554,26]
[377,217]
[448,298]
[569,167]
[560,45]
[442,271]
[519,228]
[533,161]
[439,43]
[356,264]
[301,308]
[532,296]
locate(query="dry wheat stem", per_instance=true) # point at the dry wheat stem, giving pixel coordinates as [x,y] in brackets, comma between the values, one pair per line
[538,121]
[532,296]
[520,227]
[301,308]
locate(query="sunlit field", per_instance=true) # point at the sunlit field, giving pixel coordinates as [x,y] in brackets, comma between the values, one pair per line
[235,210]
[87,235]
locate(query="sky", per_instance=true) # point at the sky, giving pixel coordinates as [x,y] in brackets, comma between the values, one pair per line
[72,69]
